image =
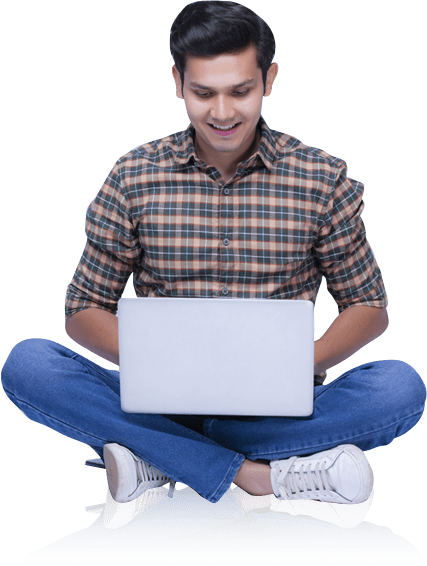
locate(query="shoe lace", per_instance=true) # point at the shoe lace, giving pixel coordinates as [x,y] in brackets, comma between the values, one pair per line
[302,479]
[152,477]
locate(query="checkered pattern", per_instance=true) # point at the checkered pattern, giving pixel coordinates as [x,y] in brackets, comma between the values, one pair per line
[289,216]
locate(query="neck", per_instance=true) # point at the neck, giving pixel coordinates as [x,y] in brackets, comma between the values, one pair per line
[227,163]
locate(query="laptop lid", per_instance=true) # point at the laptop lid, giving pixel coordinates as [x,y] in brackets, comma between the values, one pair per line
[216,356]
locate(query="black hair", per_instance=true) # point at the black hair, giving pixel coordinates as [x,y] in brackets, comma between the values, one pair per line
[209,28]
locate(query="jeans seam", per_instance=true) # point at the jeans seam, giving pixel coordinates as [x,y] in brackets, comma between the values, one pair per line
[237,457]
[331,384]
[259,454]
[54,418]
[92,366]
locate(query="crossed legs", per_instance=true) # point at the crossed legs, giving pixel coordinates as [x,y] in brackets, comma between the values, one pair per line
[367,407]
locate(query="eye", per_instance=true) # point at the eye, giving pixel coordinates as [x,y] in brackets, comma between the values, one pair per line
[209,94]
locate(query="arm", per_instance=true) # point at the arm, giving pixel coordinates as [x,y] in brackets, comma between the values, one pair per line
[353,277]
[97,330]
[350,331]
[111,252]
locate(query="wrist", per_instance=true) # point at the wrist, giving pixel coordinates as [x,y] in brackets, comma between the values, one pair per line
[320,362]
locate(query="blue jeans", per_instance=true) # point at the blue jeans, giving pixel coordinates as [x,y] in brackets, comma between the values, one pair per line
[368,406]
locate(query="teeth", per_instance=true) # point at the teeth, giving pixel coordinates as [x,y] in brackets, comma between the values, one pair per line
[224,127]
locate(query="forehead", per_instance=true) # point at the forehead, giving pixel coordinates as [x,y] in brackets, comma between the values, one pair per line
[223,70]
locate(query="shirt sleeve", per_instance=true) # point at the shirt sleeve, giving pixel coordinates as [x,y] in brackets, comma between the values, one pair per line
[111,250]
[342,251]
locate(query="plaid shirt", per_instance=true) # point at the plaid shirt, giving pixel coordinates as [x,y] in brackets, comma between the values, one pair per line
[289,216]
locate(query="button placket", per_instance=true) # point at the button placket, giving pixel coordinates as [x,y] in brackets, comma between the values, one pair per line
[226,241]
[226,253]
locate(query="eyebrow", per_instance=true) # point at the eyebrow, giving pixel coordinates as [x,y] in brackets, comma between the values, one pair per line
[244,83]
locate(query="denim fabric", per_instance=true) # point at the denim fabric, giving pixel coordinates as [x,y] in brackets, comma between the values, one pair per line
[367,406]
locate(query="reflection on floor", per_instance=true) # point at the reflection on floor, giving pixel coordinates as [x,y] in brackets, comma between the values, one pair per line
[156,527]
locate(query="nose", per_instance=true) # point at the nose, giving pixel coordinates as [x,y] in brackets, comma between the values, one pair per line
[223,109]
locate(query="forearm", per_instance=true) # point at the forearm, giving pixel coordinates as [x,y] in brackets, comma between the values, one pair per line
[97,330]
[350,331]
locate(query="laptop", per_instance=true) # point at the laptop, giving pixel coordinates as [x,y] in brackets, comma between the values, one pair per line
[249,357]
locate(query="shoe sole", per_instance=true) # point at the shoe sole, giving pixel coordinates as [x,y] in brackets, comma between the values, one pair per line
[115,465]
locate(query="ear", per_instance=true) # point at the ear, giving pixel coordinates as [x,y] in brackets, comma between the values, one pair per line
[271,75]
[178,82]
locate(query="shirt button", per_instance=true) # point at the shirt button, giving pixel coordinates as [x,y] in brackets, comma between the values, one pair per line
[226,191]
[224,291]
[226,241]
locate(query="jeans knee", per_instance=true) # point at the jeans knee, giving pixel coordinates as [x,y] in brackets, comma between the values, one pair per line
[406,383]
[24,356]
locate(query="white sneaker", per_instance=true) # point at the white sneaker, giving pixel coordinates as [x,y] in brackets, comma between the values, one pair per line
[339,475]
[128,476]
[132,485]
[345,516]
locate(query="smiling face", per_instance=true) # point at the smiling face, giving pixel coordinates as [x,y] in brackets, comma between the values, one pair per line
[223,96]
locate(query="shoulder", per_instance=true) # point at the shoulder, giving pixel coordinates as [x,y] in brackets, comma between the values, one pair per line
[144,165]
[291,152]
[310,173]
[158,153]
[139,164]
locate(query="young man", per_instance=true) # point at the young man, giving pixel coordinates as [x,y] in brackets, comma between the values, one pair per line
[226,208]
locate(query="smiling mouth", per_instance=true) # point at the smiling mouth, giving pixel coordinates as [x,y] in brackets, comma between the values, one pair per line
[224,128]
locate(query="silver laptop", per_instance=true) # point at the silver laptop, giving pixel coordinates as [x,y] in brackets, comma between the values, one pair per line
[216,356]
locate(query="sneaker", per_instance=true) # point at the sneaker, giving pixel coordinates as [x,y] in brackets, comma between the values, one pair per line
[339,475]
[132,485]
[344,516]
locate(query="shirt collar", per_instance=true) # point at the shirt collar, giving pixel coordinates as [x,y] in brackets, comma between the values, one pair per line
[266,150]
